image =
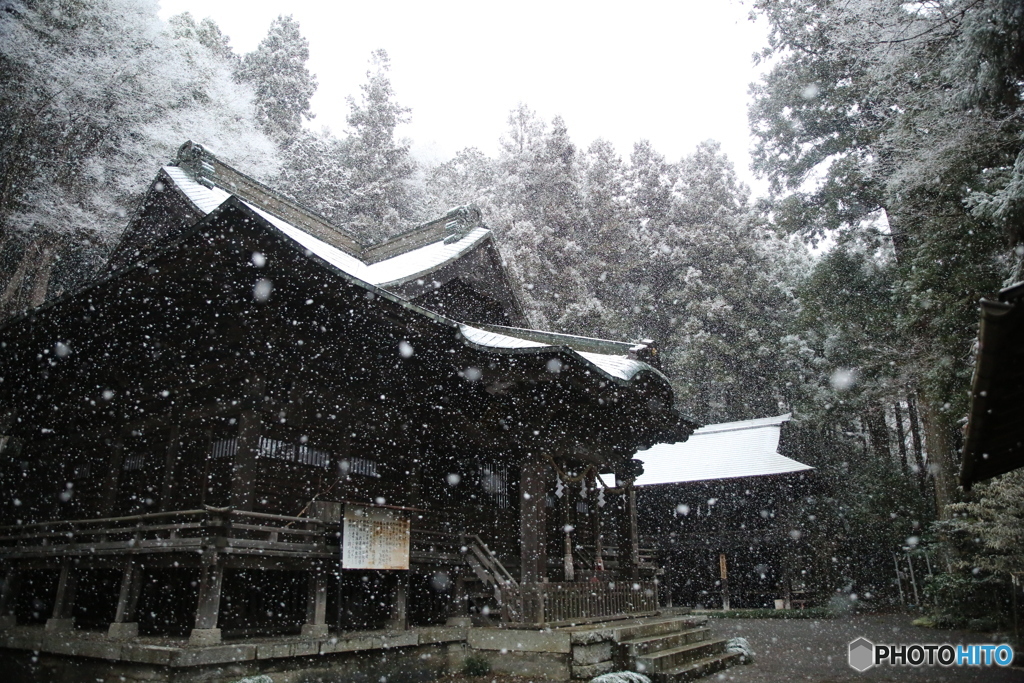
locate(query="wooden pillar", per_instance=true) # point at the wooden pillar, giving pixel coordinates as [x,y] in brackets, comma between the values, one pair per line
[629,541]
[8,593]
[62,618]
[112,480]
[170,488]
[399,602]
[533,519]
[416,480]
[533,556]
[595,520]
[243,471]
[458,612]
[724,573]
[124,625]
[316,604]
[208,607]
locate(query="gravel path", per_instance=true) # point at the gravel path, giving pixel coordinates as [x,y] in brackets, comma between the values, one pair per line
[816,650]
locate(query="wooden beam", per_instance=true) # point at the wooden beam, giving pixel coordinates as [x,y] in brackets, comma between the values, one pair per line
[128,596]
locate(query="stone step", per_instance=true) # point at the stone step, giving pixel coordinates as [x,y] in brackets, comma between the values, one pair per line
[698,669]
[657,627]
[645,646]
[666,660]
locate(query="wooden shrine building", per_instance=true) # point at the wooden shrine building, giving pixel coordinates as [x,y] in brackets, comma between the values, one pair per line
[726,512]
[251,424]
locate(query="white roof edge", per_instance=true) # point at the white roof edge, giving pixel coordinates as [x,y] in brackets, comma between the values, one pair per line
[472,240]
[730,450]
[616,367]
[744,424]
[389,272]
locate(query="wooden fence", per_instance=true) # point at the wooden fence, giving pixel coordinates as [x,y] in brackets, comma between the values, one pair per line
[559,602]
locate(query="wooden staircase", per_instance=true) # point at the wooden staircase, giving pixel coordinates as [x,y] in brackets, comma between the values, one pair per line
[500,589]
[672,650]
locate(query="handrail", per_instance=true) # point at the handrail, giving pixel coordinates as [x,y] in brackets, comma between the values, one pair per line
[280,518]
[89,521]
[97,520]
[171,528]
[491,560]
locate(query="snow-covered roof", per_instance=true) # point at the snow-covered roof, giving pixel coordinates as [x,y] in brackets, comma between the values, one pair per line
[404,268]
[721,451]
[389,272]
[619,367]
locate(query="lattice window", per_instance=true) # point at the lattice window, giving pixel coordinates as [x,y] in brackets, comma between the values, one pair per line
[133,462]
[275,448]
[224,448]
[362,466]
[494,479]
[308,455]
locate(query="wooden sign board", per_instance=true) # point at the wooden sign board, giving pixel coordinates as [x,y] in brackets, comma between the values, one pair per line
[375,538]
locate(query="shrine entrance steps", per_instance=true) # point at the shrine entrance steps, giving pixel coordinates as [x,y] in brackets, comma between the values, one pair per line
[674,651]
[667,648]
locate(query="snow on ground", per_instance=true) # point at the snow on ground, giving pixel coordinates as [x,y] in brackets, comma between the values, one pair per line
[816,651]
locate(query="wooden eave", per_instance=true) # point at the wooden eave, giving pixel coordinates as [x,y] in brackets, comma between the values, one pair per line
[994,435]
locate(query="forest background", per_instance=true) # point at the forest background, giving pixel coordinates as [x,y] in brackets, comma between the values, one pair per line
[892,138]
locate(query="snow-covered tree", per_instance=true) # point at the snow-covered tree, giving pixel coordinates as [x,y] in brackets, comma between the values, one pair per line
[95,96]
[380,165]
[277,71]
[909,111]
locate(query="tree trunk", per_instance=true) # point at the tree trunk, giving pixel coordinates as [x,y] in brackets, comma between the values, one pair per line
[915,435]
[901,439]
[878,432]
[43,270]
[939,436]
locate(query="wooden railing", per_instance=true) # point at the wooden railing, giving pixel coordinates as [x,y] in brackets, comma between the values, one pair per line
[489,569]
[234,531]
[584,554]
[560,602]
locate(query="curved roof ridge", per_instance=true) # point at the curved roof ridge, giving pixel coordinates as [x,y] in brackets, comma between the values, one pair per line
[392,271]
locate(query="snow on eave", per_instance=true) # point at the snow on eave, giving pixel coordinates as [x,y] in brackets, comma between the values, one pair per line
[620,369]
[417,263]
[745,424]
[394,271]
[723,451]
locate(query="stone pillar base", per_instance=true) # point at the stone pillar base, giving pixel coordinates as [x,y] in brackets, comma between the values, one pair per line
[314,630]
[204,636]
[59,624]
[123,631]
[459,621]
[396,625]
[8,621]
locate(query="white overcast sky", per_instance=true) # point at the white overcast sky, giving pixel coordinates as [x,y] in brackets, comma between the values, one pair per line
[675,73]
